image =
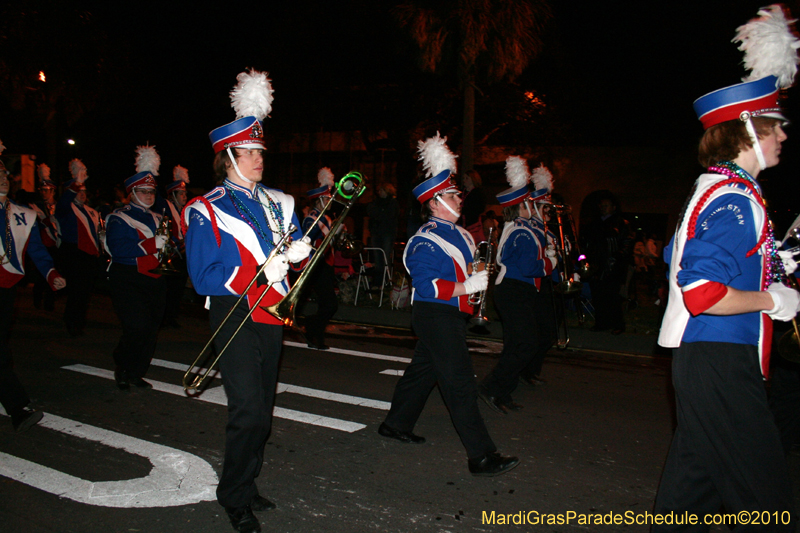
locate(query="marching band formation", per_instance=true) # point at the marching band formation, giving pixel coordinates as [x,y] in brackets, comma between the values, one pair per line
[238,242]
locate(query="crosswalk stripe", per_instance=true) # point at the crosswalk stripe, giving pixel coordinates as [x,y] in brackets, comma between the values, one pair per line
[217,396]
[353,352]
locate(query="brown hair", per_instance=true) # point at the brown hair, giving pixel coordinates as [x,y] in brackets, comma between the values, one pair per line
[425,211]
[724,141]
[511,212]
[221,161]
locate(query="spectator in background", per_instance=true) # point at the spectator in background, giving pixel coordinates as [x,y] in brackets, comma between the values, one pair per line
[382,212]
[473,206]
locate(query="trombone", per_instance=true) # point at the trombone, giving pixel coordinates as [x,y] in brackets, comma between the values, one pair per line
[350,188]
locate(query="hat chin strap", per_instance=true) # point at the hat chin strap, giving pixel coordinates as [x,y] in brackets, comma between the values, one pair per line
[536,208]
[751,131]
[438,199]
[142,203]
[236,167]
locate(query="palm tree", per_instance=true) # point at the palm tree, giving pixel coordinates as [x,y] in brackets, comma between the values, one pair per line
[487,40]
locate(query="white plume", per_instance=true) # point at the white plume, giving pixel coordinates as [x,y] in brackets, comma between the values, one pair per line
[147,159]
[44,172]
[180,173]
[517,173]
[325,177]
[542,178]
[252,96]
[436,156]
[770,46]
[75,168]
[2,147]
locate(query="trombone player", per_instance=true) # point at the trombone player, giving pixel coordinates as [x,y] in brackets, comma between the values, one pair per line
[229,233]
[521,290]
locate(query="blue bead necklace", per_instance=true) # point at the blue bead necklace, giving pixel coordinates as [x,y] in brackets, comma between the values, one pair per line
[273,211]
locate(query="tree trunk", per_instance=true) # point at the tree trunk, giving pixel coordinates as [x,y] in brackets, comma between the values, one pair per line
[468,133]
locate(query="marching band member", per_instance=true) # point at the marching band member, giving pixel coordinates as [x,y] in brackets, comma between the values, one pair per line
[79,247]
[438,257]
[230,232]
[521,292]
[137,293]
[17,238]
[322,280]
[176,201]
[724,295]
[45,207]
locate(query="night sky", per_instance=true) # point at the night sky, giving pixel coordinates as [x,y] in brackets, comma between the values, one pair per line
[617,73]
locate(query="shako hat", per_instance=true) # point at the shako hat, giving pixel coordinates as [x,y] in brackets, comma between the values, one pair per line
[439,164]
[147,163]
[325,178]
[252,101]
[44,177]
[517,175]
[180,177]
[78,171]
[542,181]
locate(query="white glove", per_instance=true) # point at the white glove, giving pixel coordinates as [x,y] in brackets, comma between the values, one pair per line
[576,277]
[786,300]
[477,282]
[276,269]
[553,262]
[550,251]
[789,264]
[161,240]
[298,250]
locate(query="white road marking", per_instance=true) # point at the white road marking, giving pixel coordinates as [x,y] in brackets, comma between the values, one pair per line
[392,372]
[217,396]
[177,477]
[352,352]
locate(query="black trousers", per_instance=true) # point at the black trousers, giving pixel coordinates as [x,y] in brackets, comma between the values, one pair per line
[12,394]
[441,357]
[80,270]
[323,283]
[726,451]
[528,333]
[249,374]
[607,302]
[176,284]
[139,303]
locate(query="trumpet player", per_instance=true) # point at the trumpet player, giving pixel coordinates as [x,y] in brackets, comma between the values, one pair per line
[229,234]
[522,292]
[175,202]
[437,257]
[138,295]
[79,247]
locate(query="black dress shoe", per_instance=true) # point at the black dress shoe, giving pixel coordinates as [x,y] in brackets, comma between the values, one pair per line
[318,346]
[140,383]
[243,520]
[26,420]
[261,504]
[492,402]
[121,377]
[533,381]
[402,436]
[492,464]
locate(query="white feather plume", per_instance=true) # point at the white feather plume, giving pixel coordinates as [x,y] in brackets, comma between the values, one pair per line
[770,46]
[436,156]
[44,172]
[252,96]
[542,178]
[325,177]
[517,173]
[2,147]
[75,168]
[147,159]
[180,173]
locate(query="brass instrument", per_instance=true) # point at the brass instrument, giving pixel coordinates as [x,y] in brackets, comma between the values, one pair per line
[165,254]
[199,379]
[348,245]
[789,343]
[569,286]
[350,188]
[487,258]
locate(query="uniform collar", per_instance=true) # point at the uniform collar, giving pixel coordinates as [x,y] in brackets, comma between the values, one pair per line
[442,222]
[239,188]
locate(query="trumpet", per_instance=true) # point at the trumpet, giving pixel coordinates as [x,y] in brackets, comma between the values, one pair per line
[200,378]
[478,299]
[350,188]
[165,265]
[789,343]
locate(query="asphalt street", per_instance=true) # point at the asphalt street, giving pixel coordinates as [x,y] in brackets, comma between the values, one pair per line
[591,441]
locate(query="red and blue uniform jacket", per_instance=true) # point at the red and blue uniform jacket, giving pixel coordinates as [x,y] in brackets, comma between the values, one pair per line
[521,253]
[130,238]
[77,224]
[24,238]
[223,248]
[437,257]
